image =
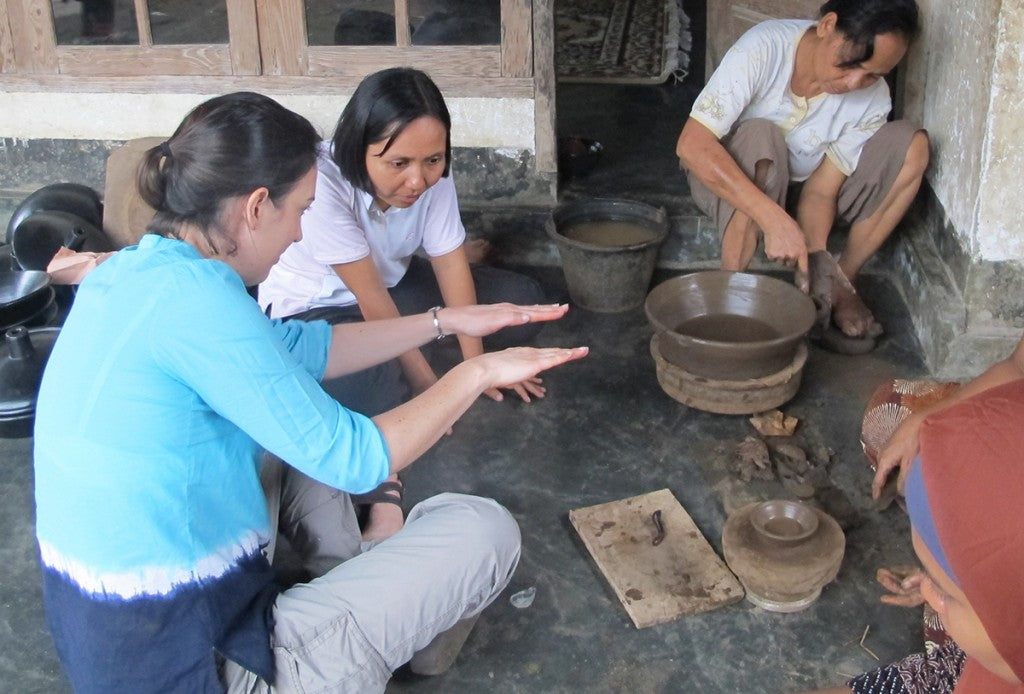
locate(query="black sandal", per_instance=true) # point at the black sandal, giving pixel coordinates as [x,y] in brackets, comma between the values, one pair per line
[384,493]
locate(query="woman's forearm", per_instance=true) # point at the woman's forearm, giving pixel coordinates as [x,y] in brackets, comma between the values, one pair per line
[455,280]
[358,346]
[413,427]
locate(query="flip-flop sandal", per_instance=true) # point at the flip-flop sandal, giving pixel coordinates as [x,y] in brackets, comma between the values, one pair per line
[384,493]
[835,340]
[821,272]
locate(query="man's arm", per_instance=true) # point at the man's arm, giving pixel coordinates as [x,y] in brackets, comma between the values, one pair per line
[704,156]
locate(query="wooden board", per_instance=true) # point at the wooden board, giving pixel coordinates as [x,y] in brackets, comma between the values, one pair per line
[655,583]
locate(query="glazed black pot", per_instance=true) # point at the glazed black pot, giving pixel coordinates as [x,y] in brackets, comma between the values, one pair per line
[22,360]
[39,236]
[25,295]
[73,198]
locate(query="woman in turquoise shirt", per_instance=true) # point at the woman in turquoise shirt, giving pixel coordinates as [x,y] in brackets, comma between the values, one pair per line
[161,394]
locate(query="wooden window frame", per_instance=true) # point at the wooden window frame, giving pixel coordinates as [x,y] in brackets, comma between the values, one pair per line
[267,39]
[268,52]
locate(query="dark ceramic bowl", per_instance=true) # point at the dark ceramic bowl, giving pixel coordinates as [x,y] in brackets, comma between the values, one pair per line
[729,326]
[608,248]
[784,521]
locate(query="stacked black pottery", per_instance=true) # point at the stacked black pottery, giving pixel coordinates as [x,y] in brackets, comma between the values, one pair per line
[59,215]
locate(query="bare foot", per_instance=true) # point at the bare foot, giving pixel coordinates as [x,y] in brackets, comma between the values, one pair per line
[385,520]
[385,517]
[476,250]
[850,314]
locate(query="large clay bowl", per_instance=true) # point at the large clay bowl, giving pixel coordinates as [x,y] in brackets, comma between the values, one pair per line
[729,325]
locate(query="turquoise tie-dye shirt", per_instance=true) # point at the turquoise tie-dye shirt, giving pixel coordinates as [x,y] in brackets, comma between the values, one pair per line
[162,391]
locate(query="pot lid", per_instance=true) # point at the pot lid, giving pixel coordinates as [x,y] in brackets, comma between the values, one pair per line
[18,285]
[38,238]
[75,198]
[37,312]
[22,357]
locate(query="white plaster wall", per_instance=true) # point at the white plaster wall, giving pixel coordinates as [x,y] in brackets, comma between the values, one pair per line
[476,122]
[963,83]
[1000,235]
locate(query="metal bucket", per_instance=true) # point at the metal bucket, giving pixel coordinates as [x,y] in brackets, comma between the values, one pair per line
[609,248]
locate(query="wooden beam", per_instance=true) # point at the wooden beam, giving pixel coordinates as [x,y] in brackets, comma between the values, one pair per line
[142,23]
[516,38]
[403,36]
[451,86]
[132,61]
[244,37]
[282,36]
[6,44]
[464,61]
[544,85]
[32,36]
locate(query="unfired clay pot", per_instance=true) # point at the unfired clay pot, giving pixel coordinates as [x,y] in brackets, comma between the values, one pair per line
[729,325]
[782,575]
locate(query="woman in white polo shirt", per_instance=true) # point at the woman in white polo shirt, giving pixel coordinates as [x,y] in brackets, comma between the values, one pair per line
[384,193]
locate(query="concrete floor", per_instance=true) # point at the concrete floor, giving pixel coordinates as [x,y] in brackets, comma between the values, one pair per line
[606,431]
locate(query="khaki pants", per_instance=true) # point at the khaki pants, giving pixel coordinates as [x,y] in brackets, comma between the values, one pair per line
[373,606]
[860,195]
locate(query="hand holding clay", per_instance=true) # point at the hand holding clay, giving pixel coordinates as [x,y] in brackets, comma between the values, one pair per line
[904,584]
[785,242]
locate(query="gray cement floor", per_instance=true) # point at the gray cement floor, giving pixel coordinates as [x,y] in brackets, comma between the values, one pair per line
[606,431]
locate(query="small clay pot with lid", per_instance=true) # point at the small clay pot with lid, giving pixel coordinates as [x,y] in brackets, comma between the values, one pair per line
[784,552]
[24,355]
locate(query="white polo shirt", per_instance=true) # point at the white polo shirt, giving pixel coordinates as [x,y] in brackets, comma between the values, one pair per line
[753,81]
[344,225]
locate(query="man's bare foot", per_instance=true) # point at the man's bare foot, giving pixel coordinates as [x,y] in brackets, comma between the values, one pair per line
[476,250]
[850,314]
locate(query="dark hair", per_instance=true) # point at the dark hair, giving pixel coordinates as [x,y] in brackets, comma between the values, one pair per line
[381,107]
[860,21]
[226,147]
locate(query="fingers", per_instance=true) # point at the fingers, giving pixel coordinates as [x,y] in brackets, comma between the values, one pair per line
[885,466]
[903,600]
[530,386]
[518,364]
[803,281]
[494,394]
[904,584]
[519,390]
[541,312]
[534,387]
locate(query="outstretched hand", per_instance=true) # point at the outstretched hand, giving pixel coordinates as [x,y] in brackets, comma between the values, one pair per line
[484,319]
[513,366]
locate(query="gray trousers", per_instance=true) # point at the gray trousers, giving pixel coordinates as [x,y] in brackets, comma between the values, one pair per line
[372,607]
[860,195]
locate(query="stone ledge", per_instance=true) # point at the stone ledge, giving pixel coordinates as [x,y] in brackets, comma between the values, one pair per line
[967,314]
